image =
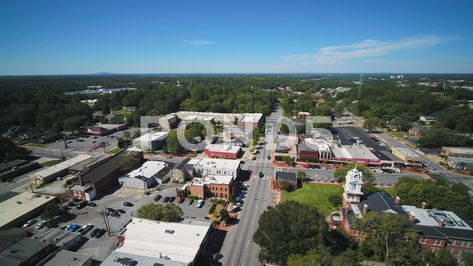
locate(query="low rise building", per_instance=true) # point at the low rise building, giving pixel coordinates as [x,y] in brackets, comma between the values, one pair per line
[151,141]
[103,176]
[427,119]
[60,169]
[168,121]
[208,166]
[148,175]
[222,151]
[464,152]
[460,163]
[103,129]
[314,150]
[182,172]
[285,146]
[146,242]
[250,120]
[354,154]
[69,258]
[25,252]
[219,186]
[22,207]
[406,155]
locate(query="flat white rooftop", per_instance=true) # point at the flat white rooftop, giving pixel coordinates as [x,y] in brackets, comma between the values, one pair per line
[148,169]
[215,163]
[213,179]
[317,144]
[62,166]
[223,148]
[21,204]
[353,152]
[177,242]
[463,150]
[152,136]
[251,117]
[431,217]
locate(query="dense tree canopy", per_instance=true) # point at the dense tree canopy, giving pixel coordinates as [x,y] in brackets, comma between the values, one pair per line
[165,213]
[9,151]
[289,228]
[438,195]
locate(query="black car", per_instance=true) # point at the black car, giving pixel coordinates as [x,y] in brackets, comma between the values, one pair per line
[191,201]
[93,232]
[269,157]
[97,233]
[92,204]
[158,197]
[269,207]
[172,198]
[109,211]
[261,174]
[81,204]
[166,199]
[115,214]
[127,204]
[121,211]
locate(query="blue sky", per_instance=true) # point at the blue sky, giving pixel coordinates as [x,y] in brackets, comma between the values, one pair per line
[82,37]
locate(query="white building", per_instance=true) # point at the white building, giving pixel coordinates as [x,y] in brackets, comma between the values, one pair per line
[151,141]
[352,187]
[147,242]
[208,166]
[60,169]
[168,121]
[153,172]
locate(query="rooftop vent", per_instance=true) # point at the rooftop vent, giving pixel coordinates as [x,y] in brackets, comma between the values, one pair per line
[169,231]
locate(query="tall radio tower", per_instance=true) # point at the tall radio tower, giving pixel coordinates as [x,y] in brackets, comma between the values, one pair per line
[360,86]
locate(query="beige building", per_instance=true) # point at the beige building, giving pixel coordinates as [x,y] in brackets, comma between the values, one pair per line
[406,155]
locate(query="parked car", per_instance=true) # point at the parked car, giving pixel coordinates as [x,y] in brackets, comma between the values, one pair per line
[166,199]
[238,205]
[121,211]
[260,174]
[99,233]
[29,223]
[92,233]
[269,207]
[115,214]
[86,228]
[81,205]
[73,228]
[200,203]
[40,224]
[172,198]
[158,197]
[109,211]
[127,204]
[191,201]
[92,204]
[269,157]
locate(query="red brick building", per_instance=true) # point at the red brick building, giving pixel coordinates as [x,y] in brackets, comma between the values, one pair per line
[437,229]
[212,186]
[307,154]
[222,151]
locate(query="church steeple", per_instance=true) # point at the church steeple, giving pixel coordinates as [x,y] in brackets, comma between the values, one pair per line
[352,187]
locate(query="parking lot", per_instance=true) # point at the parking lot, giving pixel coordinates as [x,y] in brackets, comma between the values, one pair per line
[347,136]
[100,248]
[83,144]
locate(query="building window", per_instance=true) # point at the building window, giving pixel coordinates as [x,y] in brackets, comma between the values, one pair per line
[435,242]
[463,243]
[454,242]
[459,253]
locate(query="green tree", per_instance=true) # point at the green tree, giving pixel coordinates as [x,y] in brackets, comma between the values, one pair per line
[301,175]
[165,213]
[371,123]
[172,143]
[335,200]
[289,228]
[382,231]
[283,129]
[51,211]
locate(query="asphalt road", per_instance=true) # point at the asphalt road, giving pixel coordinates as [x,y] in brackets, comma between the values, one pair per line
[238,247]
[434,168]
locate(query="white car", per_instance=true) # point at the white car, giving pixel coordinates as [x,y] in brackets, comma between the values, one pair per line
[40,225]
[200,203]
[29,223]
[237,205]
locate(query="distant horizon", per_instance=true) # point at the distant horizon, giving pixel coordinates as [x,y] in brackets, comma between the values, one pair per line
[98,74]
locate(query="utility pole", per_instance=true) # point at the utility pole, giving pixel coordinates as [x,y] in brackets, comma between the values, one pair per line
[105,221]
[360,86]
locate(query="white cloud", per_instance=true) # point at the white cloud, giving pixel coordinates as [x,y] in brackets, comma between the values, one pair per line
[198,42]
[366,49]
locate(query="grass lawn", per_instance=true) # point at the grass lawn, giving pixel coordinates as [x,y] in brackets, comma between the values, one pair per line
[50,163]
[316,195]
[114,150]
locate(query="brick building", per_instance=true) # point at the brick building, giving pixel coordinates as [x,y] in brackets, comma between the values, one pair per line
[437,229]
[222,151]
